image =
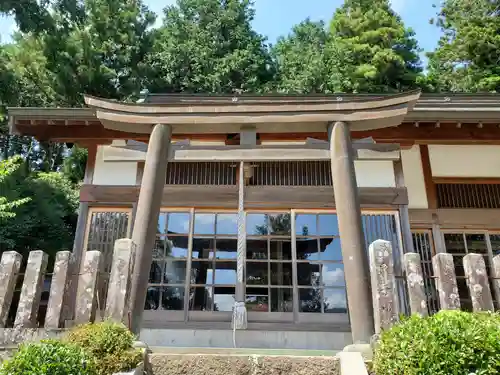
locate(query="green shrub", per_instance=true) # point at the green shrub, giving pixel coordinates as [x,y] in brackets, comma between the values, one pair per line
[448,343]
[110,344]
[49,357]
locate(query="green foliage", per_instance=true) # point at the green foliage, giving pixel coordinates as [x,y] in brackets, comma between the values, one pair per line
[301,60]
[110,344]
[382,52]
[468,52]
[448,343]
[74,164]
[49,358]
[209,46]
[45,221]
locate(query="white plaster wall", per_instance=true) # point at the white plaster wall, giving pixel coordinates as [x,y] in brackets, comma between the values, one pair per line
[113,173]
[376,173]
[465,160]
[414,178]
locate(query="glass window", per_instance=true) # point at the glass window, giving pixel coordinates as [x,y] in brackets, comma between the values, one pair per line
[168,272]
[257,225]
[461,244]
[178,223]
[319,262]
[204,223]
[227,224]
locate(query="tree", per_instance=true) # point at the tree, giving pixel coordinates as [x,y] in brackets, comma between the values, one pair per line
[468,53]
[98,49]
[382,52]
[209,46]
[47,220]
[300,59]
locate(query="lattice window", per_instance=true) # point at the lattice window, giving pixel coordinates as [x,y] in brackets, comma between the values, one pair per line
[104,227]
[384,226]
[468,195]
[201,173]
[422,243]
[291,173]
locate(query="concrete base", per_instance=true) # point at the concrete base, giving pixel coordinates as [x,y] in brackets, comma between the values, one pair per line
[197,338]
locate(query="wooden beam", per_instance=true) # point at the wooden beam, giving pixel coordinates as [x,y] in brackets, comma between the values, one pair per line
[430,186]
[237,153]
[465,180]
[283,197]
[456,218]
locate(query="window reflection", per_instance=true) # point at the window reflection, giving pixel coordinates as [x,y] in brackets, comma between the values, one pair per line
[172,298]
[280,224]
[227,224]
[257,300]
[200,299]
[225,273]
[310,300]
[178,223]
[201,272]
[334,300]
[307,249]
[332,274]
[203,248]
[226,248]
[281,300]
[224,298]
[257,250]
[328,225]
[257,224]
[330,249]
[308,274]
[305,225]
[204,223]
[281,249]
[257,273]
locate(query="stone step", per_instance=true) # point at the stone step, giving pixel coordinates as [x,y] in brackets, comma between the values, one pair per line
[202,361]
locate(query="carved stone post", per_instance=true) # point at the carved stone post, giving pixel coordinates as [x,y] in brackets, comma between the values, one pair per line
[415,283]
[119,280]
[446,281]
[86,296]
[146,219]
[478,283]
[31,292]
[357,274]
[58,286]
[385,306]
[9,270]
[496,274]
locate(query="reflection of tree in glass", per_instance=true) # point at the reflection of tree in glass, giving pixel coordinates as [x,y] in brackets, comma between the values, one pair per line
[280,224]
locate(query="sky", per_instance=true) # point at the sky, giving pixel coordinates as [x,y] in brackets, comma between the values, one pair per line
[275,18]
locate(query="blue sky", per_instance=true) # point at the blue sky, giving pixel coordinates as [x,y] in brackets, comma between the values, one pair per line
[276,17]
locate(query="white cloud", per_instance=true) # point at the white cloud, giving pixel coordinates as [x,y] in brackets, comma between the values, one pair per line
[333,277]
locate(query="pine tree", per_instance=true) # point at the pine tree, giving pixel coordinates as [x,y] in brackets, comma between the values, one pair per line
[382,52]
[209,46]
[468,55]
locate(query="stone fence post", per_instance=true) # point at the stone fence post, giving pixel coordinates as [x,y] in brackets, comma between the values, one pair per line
[9,270]
[446,281]
[478,283]
[58,289]
[385,306]
[31,292]
[117,303]
[415,283]
[86,297]
[496,274]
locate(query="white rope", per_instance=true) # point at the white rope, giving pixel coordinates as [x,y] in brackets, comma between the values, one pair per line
[239,320]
